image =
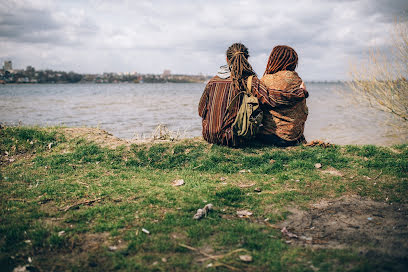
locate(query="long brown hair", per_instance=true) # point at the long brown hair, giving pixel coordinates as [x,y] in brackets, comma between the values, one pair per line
[282,57]
[237,55]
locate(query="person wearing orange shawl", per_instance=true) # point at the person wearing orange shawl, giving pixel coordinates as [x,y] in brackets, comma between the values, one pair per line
[220,91]
[284,125]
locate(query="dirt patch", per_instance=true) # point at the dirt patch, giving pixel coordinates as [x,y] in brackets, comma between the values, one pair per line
[106,139]
[376,229]
[99,136]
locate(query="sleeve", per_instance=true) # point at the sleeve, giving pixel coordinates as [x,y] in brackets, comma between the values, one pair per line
[275,98]
[202,105]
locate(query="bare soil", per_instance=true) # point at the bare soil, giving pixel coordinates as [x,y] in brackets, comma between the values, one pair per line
[377,230]
[106,139]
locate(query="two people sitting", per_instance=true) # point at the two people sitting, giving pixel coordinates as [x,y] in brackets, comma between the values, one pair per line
[280,92]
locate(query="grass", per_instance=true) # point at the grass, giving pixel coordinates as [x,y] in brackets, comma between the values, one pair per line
[44,214]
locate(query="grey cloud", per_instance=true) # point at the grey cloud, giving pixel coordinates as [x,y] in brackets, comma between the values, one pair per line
[28,25]
[389,11]
[31,25]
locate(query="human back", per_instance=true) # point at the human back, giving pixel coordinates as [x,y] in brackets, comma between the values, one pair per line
[283,125]
[216,109]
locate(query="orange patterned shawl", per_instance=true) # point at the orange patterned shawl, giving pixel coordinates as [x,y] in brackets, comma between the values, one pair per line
[287,123]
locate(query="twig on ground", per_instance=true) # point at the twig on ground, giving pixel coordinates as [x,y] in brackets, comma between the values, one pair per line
[215,258]
[225,255]
[378,175]
[85,202]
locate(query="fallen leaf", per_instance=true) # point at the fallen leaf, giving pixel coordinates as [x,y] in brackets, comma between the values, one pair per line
[272,161]
[178,182]
[245,258]
[113,248]
[287,233]
[21,268]
[203,212]
[244,213]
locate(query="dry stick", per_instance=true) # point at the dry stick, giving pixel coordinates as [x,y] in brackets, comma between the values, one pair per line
[197,166]
[86,202]
[378,175]
[210,256]
[225,255]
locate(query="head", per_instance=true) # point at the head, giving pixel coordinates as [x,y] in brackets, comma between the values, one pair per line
[282,58]
[237,58]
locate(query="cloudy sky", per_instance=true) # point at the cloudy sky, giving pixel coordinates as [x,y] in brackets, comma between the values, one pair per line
[191,36]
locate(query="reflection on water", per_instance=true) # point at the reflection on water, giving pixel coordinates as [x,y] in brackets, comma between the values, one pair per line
[127,110]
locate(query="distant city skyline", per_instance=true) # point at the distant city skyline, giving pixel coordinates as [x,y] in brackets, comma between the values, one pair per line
[190,37]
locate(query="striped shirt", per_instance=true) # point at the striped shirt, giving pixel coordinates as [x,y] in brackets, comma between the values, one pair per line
[217,96]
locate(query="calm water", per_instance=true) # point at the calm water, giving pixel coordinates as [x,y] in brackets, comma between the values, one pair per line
[134,110]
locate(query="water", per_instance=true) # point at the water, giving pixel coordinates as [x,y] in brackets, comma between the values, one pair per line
[134,110]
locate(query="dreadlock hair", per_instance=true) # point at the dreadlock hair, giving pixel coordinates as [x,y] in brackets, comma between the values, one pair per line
[282,57]
[237,56]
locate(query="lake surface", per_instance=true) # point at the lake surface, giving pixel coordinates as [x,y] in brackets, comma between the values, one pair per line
[134,110]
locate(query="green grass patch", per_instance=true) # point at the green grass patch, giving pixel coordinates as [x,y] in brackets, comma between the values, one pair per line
[68,204]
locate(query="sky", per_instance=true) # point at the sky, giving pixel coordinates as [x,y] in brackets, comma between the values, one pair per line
[191,36]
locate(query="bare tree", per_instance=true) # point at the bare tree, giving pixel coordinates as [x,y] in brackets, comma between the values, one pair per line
[382,79]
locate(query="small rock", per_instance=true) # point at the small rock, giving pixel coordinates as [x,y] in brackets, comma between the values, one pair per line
[145,231]
[318,165]
[245,258]
[164,260]
[257,189]
[113,248]
[178,182]
[244,213]
[21,268]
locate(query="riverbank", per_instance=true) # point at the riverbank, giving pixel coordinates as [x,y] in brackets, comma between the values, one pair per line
[81,199]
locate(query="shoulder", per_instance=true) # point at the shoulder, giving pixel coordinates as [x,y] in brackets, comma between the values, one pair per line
[218,80]
[282,80]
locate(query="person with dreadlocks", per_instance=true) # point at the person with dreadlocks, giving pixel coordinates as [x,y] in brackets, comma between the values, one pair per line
[220,91]
[283,126]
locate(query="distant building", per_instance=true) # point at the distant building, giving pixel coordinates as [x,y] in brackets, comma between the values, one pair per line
[166,73]
[8,65]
